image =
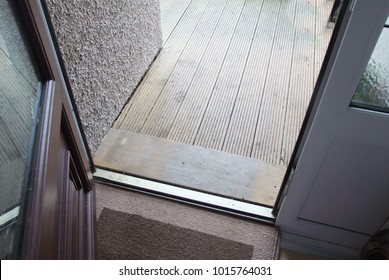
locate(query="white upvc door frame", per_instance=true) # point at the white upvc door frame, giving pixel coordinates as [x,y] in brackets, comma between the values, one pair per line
[316,209]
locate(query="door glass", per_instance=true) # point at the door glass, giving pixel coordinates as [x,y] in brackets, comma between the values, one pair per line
[19,87]
[373,88]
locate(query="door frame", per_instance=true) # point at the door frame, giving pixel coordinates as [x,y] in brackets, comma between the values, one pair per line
[57,112]
[294,196]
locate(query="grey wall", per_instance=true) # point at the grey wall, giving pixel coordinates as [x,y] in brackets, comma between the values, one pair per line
[107,46]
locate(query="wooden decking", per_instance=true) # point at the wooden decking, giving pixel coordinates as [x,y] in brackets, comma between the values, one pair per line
[233,75]
[222,105]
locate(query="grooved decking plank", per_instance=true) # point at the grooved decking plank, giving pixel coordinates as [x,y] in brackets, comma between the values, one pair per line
[190,166]
[268,138]
[301,77]
[165,6]
[323,32]
[240,134]
[137,110]
[169,102]
[171,15]
[217,117]
[197,97]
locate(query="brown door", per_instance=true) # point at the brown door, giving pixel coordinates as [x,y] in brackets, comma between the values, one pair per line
[47,210]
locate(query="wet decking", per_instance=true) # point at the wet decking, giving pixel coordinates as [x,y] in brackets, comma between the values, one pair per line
[234,77]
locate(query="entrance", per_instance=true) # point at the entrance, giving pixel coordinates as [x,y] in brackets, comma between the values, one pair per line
[222,105]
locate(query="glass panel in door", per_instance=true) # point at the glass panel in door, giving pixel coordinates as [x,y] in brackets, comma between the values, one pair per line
[373,88]
[19,90]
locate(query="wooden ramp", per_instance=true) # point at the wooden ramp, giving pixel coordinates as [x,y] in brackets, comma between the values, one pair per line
[190,166]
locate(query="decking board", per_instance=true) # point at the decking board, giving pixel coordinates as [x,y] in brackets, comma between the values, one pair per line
[217,117]
[173,93]
[268,138]
[240,135]
[171,13]
[198,95]
[141,104]
[323,32]
[301,76]
[165,6]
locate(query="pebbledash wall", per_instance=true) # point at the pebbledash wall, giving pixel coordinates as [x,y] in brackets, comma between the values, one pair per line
[107,47]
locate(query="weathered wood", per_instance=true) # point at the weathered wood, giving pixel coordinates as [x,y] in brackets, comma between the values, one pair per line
[222,102]
[171,12]
[235,76]
[137,110]
[165,6]
[323,32]
[301,77]
[190,166]
[195,104]
[246,86]
[268,138]
[173,94]
[240,135]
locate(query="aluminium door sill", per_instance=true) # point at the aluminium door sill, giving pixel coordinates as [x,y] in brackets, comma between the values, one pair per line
[193,197]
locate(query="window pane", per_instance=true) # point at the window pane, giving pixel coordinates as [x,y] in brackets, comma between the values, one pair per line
[373,89]
[19,85]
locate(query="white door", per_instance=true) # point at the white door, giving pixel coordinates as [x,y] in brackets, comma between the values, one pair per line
[338,190]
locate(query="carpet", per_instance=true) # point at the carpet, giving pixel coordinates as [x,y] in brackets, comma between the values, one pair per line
[140,226]
[123,236]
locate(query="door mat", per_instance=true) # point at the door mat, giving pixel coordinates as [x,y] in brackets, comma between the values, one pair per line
[123,236]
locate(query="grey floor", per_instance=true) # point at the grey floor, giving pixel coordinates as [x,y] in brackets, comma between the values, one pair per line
[263,238]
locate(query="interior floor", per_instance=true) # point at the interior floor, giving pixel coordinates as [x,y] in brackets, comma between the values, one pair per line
[188,226]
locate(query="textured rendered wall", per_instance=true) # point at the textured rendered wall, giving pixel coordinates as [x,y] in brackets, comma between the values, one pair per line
[107,46]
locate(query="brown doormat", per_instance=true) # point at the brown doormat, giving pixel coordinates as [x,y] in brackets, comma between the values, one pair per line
[122,236]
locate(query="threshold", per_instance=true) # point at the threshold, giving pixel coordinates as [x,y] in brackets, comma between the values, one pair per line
[192,197]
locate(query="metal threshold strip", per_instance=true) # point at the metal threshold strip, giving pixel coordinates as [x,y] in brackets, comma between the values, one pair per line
[210,201]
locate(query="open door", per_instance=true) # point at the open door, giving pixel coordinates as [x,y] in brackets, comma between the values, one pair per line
[336,194]
[48,202]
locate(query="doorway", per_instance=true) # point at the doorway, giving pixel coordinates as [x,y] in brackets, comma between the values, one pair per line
[221,107]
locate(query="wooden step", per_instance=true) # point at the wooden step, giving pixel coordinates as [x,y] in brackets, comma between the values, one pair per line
[190,166]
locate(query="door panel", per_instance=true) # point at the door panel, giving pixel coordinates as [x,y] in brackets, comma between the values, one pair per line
[338,191]
[338,176]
